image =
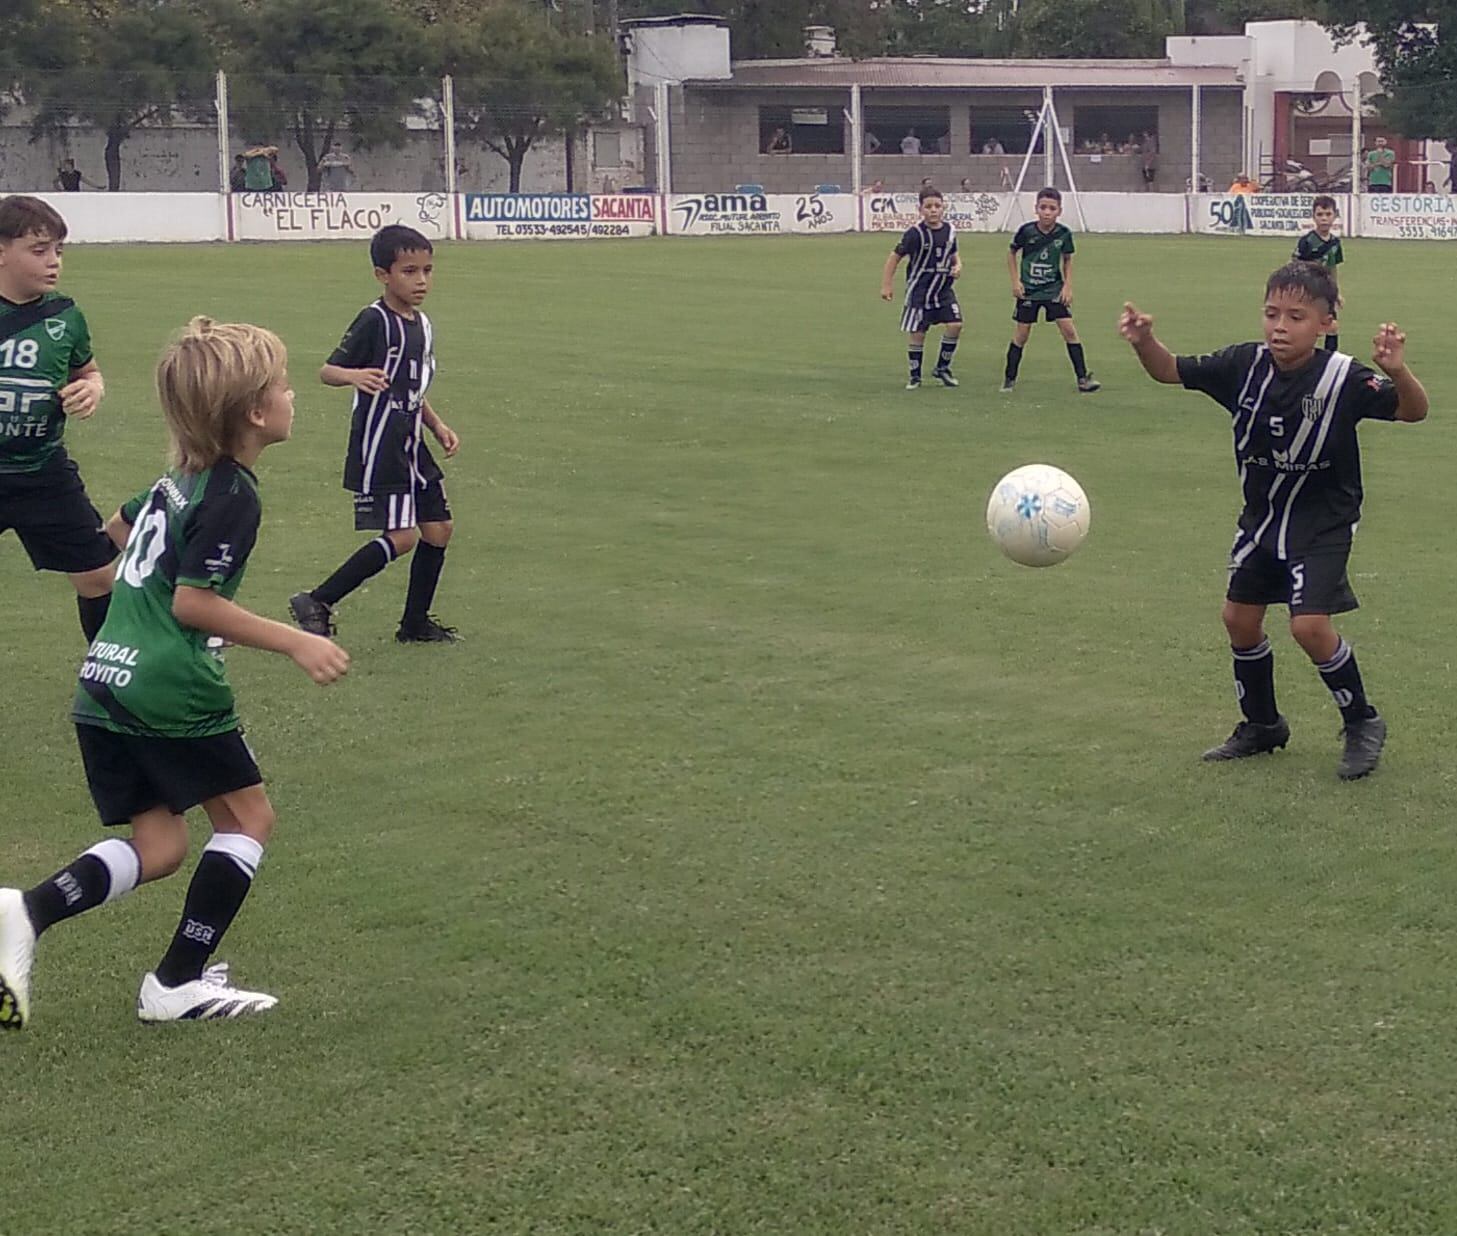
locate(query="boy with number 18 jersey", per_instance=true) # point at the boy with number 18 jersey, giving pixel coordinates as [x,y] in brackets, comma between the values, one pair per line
[47,373]
[1324,246]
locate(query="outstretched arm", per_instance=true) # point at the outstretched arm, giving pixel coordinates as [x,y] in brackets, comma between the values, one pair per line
[1158,362]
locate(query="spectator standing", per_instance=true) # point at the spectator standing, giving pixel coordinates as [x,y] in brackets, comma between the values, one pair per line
[1380,168]
[336,170]
[910,143]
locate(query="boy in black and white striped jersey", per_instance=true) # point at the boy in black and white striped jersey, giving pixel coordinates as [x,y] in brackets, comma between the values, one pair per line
[1295,412]
[388,356]
[930,299]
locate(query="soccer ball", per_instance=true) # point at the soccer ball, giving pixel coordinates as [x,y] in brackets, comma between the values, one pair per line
[1038,515]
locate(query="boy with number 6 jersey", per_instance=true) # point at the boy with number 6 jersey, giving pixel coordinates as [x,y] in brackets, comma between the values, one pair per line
[1295,412]
[47,373]
[154,714]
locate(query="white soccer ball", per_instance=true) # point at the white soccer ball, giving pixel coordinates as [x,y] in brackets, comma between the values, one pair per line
[1038,515]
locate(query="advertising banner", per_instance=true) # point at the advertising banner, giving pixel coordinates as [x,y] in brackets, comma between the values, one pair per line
[1262,214]
[559,216]
[337,216]
[1409,216]
[717,214]
[968,212]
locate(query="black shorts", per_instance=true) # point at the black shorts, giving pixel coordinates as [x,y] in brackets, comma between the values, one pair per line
[129,774]
[1025,311]
[1314,583]
[53,517]
[380,512]
[917,318]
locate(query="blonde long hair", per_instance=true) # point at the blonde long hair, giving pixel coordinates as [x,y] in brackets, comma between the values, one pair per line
[208,380]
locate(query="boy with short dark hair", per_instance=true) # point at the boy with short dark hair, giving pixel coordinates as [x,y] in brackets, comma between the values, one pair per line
[47,373]
[1323,246]
[935,264]
[1042,282]
[1296,410]
[155,716]
[388,357]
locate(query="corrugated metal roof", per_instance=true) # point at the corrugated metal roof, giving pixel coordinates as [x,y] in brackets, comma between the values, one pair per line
[936,73]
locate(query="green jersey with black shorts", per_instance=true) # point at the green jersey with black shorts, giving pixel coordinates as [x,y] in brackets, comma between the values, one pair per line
[146,674]
[1041,261]
[35,362]
[1313,249]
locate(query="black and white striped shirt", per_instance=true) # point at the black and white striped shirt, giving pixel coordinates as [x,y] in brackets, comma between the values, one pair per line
[1294,442]
[932,253]
[386,453]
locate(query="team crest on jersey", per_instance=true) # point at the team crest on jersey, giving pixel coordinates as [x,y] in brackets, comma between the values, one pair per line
[56,329]
[1311,407]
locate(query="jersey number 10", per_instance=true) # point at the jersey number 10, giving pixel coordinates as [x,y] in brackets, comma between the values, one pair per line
[143,548]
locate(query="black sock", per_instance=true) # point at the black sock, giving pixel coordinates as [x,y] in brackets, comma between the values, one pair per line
[1254,682]
[948,350]
[106,871]
[223,877]
[1075,354]
[424,576]
[93,613]
[1014,361]
[916,353]
[366,561]
[1344,681]
[1332,343]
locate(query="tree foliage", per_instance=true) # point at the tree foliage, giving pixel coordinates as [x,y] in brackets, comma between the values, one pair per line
[1415,46]
[116,65]
[521,76]
[307,70]
[1089,29]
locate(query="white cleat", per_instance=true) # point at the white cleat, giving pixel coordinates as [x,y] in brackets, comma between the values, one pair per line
[205,999]
[17,951]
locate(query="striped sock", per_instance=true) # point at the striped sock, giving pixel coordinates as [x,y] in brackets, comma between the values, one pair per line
[365,562]
[948,350]
[916,354]
[1343,679]
[1254,682]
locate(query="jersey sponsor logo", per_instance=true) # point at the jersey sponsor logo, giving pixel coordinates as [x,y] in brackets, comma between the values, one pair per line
[109,664]
[56,329]
[222,561]
[1280,461]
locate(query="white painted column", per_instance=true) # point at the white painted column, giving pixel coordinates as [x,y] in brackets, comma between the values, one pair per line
[1049,135]
[225,163]
[1195,124]
[447,114]
[857,136]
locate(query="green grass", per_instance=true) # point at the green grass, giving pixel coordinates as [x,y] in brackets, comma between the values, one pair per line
[773,856]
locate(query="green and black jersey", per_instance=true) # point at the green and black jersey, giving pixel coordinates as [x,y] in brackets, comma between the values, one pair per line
[35,362]
[1042,254]
[145,672]
[1313,249]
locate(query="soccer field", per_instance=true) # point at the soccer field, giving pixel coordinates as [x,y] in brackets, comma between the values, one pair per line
[772,855]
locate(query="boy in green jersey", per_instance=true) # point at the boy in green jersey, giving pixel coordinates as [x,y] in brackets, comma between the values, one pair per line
[154,713]
[1323,246]
[1042,282]
[47,373]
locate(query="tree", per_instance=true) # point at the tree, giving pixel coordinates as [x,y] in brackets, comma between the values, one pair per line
[520,77]
[1415,47]
[313,68]
[116,66]
[1089,29]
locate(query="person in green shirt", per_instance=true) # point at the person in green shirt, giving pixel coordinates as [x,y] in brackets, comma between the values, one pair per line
[258,168]
[155,718]
[48,375]
[1322,245]
[1380,168]
[1040,263]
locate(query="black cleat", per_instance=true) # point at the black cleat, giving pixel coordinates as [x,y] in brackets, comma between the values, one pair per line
[312,616]
[1364,740]
[1251,738]
[945,377]
[1089,384]
[914,384]
[426,630]
[1008,385]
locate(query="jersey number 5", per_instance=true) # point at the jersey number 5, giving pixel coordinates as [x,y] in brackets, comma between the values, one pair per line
[143,548]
